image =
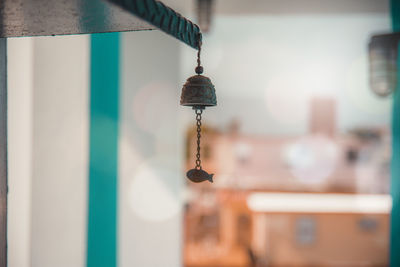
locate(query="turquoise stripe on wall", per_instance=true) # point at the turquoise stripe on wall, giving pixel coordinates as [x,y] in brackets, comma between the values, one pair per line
[395,180]
[103,176]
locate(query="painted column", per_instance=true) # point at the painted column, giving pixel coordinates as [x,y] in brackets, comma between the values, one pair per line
[59,151]
[3,152]
[395,180]
[104,114]
[20,127]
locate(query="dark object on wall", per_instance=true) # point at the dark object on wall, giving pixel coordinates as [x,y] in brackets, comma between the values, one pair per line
[351,155]
[383,51]
[305,230]
[59,17]
[198,92]
[205,13]
[368,224]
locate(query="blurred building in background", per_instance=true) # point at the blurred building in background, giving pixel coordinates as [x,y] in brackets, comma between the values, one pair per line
[299,144]
[312,200]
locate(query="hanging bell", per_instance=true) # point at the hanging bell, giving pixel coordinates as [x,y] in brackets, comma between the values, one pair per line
[198,92]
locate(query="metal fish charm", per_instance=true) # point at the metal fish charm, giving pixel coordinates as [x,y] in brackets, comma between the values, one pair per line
[198,175]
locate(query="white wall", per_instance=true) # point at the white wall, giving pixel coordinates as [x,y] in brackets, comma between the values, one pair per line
[150,156]
[20,90]
[49,151]
[60,151]
[267,68]
[48,144]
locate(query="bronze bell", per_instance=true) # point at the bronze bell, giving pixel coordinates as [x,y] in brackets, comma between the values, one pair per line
[198,91]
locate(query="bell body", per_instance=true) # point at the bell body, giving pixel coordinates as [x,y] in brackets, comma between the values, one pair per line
[198,92]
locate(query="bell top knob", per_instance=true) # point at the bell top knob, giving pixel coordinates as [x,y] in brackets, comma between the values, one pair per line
[199,70]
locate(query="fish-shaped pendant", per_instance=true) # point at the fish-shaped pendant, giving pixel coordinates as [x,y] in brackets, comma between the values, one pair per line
[198,175]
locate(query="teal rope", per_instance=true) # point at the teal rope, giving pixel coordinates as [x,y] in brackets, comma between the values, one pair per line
[164,18]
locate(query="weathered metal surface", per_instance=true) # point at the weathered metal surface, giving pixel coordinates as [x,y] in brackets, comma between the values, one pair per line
[58,17]
[198,91]
[3,152]
[164,18]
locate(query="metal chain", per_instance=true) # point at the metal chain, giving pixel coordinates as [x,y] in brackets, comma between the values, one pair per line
[198,112]
[198,119]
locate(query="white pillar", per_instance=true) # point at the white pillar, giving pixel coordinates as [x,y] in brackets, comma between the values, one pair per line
[20,89]
[150,153]
[60,151]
